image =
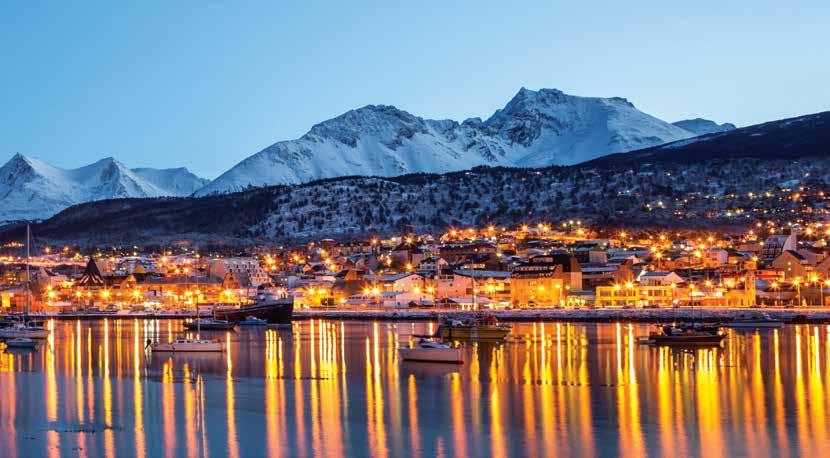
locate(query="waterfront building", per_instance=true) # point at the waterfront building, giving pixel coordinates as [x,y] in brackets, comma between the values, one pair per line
[538,283]
[633,294]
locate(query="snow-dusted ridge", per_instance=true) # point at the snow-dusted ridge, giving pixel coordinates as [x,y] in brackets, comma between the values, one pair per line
[535,129]
[700,126]
[33,189]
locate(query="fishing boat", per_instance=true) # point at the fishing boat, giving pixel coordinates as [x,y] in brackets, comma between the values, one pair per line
[253,321]
[432,352]
[686,336]
[189,345]
[481,327]
[21,342]
[268,307]
[754,319]
[209,324]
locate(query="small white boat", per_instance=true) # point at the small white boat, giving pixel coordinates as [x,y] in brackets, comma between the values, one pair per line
[754,320]
[433,352]
[209,324]
[22,330]
[253,321]
[189,345]
[21,342]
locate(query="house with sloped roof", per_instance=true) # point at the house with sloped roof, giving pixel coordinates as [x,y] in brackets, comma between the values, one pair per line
[658,278]
[774,245]
[792,264]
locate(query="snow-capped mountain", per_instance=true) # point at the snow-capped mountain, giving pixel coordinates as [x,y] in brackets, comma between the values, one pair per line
[536,128]
[33,189]
[700,126]
[174,182]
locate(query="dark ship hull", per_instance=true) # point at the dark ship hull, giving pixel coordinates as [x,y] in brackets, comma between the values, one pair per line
[278,311]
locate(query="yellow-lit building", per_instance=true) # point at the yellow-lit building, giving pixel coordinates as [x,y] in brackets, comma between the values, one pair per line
[634,294]
[537,291]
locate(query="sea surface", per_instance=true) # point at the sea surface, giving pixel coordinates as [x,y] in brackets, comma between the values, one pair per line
[332,388]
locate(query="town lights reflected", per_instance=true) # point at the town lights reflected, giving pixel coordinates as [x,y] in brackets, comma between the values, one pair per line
[555,388]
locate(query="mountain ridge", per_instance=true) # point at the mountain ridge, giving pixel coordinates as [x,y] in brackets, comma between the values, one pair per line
[535,128]
[665,186]
[701,126]
[33,189]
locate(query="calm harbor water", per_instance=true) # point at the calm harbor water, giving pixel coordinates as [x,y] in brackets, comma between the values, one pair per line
[337,388]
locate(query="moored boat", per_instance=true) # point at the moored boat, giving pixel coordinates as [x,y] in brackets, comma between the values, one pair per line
[253,321]
[21,342]
[433,352]
[477,328]
[208,324]
[189,345]
[689,336]
[268,307]
[24,330]
[24,326]
[754,319]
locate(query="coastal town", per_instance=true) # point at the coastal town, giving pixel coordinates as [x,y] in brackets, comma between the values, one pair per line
[562,265]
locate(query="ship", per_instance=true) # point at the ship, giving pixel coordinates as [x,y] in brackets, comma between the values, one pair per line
[268,307]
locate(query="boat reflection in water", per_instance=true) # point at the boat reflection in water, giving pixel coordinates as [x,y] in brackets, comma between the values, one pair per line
[339,388]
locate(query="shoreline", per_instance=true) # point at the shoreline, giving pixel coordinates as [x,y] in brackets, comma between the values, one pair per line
[659,315]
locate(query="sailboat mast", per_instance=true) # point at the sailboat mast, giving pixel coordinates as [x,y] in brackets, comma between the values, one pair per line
[475,306]
[196,300]
[28,278]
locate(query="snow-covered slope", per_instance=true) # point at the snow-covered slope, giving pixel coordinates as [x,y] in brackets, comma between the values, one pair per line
[700,126]
[33,189]
[174,182]
[536,128]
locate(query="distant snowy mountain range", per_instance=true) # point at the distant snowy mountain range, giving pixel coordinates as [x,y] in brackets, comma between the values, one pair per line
[535,129]
[700,126]
[680,185]
[32,189]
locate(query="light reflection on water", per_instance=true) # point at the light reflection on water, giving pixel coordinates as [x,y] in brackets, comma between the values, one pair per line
[338,388]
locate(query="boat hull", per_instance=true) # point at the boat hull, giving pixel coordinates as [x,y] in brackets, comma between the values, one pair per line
[21,343]
[211,347]
[755,324]
[709,340]
[274,312]
[193,326]
[14,333]
[473,332]
[251,321]
[432,355]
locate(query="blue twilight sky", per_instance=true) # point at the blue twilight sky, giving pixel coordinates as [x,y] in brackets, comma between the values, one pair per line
[187,83]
